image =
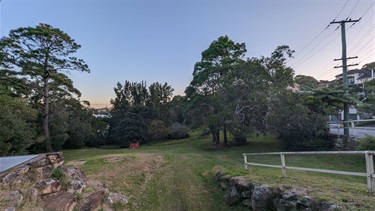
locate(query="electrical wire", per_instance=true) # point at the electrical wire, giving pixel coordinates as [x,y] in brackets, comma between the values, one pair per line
[341,10]
[352,10]
[298,62]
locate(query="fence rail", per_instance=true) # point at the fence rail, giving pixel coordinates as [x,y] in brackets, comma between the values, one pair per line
[369,158]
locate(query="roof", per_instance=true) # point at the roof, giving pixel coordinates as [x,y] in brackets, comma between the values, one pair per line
[365,72]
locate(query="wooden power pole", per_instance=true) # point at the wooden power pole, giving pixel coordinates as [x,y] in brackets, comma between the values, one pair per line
[345,72]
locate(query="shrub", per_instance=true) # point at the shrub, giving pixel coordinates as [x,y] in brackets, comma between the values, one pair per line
[157,130]
[367,143]
[57,174]
[178,131]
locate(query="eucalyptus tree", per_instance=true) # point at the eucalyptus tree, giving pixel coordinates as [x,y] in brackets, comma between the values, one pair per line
[218,60]
[43,55]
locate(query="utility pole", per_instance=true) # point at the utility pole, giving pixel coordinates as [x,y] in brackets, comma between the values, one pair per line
[345,72]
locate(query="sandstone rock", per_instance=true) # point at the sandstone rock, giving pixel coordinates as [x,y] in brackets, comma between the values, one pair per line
[63,202]
[246,194]
[39,163]
[11,199]
[9,178]
[48,186]
[76,179]
[92,202]
[293,194]
[247,203]
[261,198]
[23,169]
[240,182]
[10,209]
[285,205]
[56,159]
[116,198]
[232,197]
[34,196]
[305,201]
[328,206]
[44,172]
[98,185]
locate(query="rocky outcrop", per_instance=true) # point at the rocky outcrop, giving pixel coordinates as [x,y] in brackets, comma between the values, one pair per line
[260,197]
[43,183]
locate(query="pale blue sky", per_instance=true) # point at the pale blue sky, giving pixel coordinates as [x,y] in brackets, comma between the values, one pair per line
[161,40]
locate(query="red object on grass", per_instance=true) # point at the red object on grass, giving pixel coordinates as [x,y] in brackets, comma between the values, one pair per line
[134,145]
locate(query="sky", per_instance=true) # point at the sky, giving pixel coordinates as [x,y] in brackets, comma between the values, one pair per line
[161,40]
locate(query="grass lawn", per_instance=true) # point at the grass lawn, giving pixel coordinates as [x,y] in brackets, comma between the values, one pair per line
[178,175]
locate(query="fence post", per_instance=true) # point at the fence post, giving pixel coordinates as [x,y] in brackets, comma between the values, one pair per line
[283,168]
[245,160]
[370,172]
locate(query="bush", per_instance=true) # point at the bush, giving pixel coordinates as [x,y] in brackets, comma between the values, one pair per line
[178,131]
[367,143]
[57,174]
[157,130]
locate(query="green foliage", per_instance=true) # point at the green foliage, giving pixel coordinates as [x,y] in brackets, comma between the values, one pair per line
[157,130]
[78,195]
[17,124]
[367,143]
[41,55]
[298,127]
[306,82]
[178,131]
[57,174]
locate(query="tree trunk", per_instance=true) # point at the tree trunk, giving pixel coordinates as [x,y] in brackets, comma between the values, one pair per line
[217,132]
[225,135]
[46,114]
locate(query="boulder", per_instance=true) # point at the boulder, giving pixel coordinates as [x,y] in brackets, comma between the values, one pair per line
[47,186]
[246,194]
[98,185]
[240,183]
[305,202]
[261,198]
[56,159]
[293,194]
[23,169]
[39,162]
[11,199]
[92,202]
[116,198]
[281,204]
[62,202]
[247,203]
[9,178]
[76,179]
[232,197]
[44,172]
[328,206]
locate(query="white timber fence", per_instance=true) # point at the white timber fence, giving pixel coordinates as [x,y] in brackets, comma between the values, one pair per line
[369,158]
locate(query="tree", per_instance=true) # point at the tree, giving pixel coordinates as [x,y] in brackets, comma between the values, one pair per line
[305,82]
[219,59]
[42,54]
[16,126]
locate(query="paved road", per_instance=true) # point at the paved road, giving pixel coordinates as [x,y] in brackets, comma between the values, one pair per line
[358,132]
[9,162]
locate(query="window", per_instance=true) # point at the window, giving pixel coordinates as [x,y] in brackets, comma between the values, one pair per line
[350,80]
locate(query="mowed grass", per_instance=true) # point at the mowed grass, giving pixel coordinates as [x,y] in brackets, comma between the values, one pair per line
[178,175]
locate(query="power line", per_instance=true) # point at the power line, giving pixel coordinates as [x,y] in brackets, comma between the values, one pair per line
[352,10]
[362,39]
[298,62]
[341,10]
[311,41]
